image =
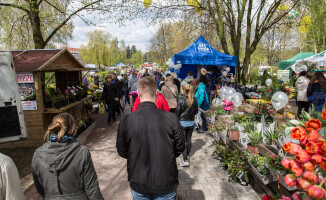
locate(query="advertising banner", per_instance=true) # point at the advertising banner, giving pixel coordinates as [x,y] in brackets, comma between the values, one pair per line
[27,90]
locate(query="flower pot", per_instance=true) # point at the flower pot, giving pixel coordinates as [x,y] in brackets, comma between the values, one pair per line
[234,135]
[252,149]
[223,135]
[264,179]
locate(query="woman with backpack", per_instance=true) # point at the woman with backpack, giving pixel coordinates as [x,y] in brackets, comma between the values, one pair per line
[186,110]
[62,168]
[317,91]
[170,93]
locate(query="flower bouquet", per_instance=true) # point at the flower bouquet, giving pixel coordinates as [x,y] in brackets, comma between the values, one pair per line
[307,166]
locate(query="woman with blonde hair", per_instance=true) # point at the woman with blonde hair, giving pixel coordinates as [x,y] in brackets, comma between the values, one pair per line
[62,168]
[170,93]
[186,110]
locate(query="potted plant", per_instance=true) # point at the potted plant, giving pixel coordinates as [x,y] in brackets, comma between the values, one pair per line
[255,138]
[259,166]
[234,133]
[58,102]
[222,132]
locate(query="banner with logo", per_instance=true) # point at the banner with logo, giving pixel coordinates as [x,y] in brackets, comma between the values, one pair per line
[27,90]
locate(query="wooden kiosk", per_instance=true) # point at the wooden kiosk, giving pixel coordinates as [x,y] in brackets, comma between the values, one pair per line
[31,65]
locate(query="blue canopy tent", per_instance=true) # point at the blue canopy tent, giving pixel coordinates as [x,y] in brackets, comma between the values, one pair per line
[120,64]
[201,53]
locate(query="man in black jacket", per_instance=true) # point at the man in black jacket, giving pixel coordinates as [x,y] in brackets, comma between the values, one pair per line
[110,95]
[151,140]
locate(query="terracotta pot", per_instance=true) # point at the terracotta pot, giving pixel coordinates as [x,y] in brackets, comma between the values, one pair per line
[252,149]
[234,135]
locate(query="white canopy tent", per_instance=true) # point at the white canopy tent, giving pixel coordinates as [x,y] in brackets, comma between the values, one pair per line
[319,58]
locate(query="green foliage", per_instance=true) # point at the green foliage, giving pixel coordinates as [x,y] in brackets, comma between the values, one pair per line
[234,128]
[273,136]
[234,160]
[275,162]
[240,118]
[259,162]
[218,127]
[248,126]
[220,111]
[255,137]
[266,110]
[88,106]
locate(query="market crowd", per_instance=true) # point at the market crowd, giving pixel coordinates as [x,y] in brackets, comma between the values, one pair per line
[153,133]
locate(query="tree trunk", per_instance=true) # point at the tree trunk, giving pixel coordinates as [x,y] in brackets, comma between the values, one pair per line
[36,25]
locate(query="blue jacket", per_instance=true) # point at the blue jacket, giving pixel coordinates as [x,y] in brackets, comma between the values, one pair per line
[202,97]
[318,93]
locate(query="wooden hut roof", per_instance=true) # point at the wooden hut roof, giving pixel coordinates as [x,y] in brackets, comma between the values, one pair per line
[45,60]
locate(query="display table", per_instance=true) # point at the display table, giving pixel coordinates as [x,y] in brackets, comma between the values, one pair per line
[255,101]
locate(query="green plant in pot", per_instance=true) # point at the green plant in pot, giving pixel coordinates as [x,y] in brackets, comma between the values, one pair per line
[220,111]
[271,136]
[255,138]
[234,133]
[248,126]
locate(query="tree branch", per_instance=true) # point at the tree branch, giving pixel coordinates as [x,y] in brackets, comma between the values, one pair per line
[67,19]
[15,6]
[54,7]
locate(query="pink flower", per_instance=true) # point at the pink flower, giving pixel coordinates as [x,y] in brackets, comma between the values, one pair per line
[285,198]
[290,180]
[273,156]
[286,163]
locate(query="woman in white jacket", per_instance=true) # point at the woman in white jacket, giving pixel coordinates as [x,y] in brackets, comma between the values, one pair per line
[302,99]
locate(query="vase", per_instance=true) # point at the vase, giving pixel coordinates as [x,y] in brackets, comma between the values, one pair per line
[234,135]
[252,149]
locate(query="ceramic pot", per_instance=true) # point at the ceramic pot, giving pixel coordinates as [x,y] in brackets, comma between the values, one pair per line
[252,149]
[234,135]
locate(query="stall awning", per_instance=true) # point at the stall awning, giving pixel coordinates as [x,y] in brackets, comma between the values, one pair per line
[202,53]
[46,60]
[285,64]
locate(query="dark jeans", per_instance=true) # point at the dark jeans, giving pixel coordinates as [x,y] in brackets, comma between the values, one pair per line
[319,107]
[126,94]
[203,117]
[302,105]
[188,133]
[110,110]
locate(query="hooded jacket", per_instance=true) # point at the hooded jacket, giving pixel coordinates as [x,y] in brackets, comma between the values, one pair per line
[302,85]
[65,171]
[185,114]
[151,140]
[132,84]
[160,103]
[317,92]
[201,96]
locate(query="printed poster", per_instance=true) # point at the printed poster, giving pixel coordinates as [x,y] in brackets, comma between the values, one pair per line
[27,90]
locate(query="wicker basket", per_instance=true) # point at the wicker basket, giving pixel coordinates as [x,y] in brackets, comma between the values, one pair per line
[274,173]
[264,179]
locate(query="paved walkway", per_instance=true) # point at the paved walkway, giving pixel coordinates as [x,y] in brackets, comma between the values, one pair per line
[204,179]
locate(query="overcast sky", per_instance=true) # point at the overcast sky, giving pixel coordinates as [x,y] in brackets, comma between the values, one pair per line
[135,32]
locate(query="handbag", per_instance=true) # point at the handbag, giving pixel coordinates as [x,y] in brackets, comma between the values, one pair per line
[101,109]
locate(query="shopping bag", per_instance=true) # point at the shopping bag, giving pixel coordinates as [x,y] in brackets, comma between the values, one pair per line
[101,109]
[198,119]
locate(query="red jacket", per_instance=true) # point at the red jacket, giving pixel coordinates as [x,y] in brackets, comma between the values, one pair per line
[161,103]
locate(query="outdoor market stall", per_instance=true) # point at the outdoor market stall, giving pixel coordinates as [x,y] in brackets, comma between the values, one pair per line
[286,64]
[202,54]
[318,61]
[39,108]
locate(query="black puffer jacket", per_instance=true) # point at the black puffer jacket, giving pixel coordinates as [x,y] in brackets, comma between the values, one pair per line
[65,171]
[185,114]
[151,139]
[110,92]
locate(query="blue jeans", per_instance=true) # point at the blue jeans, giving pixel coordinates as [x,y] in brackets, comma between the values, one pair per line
[126,93]
[169,196]
[203,117]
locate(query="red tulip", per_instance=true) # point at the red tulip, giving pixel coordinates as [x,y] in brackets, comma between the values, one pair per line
[323,166]
[313,124]
[304,184]
[287,146]
[322,145]
[310,176]
[296,168]
[302,156]
[286,163]
[303,141]
[317,158]
[298,133]
[295,148]
[312,147]
[316,192]
[308,166]
[290,180]
[314,136]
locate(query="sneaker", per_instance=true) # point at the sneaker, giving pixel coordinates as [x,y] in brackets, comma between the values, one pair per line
[184,163]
